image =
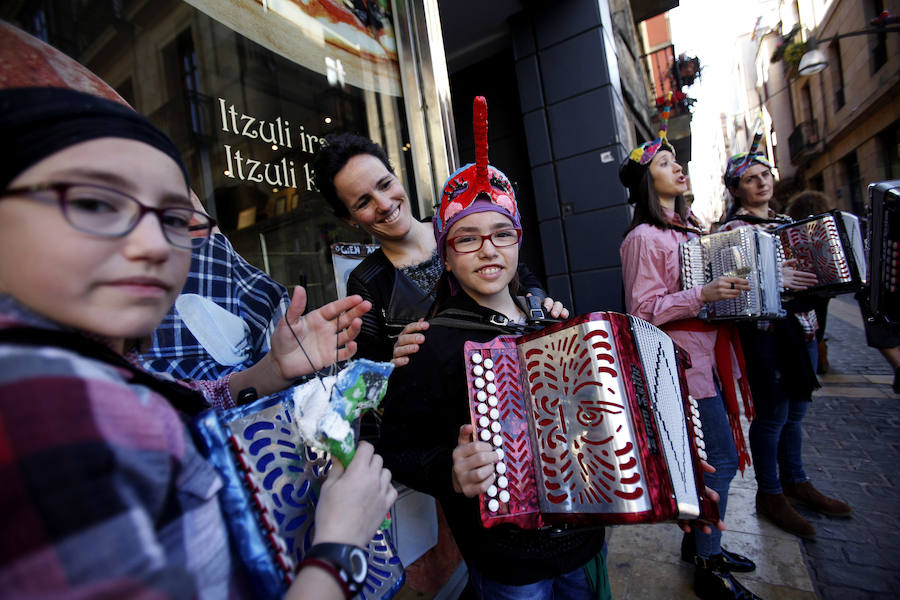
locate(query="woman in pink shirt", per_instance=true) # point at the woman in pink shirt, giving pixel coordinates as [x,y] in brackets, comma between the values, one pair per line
[651,272]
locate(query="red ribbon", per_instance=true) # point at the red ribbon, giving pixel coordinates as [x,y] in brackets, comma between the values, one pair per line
[727,341]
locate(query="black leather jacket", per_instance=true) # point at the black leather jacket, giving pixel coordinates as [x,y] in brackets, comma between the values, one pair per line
[397,301]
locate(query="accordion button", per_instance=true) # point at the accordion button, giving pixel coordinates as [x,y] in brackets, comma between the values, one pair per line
[493,505]
[492,491]
[500,453]
[701,454]
[482,408]
[478,371]
[481,395]
[698,432]
[491,388]
[502,482]
[479,382]
[489,375]
[501,467]
[495,414]
[492,400]
[696,421]
[695,411]
[504,496]
[488,363]
[476,358]
[485,435]
[497,440]
[495,426]
[700,443]
[484,421]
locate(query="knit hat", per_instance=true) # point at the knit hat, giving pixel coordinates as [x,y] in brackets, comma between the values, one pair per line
[636,165]
[40,121]
[475,188]
[739,163]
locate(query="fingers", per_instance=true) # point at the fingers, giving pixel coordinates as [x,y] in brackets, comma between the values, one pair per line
[707,468]
[297,305]
[473,464]
[354,306]
[466,435]
[415,326]
[556,309]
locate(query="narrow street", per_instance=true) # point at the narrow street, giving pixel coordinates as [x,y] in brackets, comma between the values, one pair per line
[851,451]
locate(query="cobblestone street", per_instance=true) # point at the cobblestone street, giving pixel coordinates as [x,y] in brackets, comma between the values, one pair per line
[851,451]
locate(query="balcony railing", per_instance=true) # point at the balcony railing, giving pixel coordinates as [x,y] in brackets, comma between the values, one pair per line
[804,141]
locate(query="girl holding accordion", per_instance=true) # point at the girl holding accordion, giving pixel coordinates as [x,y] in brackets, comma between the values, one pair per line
[651,273]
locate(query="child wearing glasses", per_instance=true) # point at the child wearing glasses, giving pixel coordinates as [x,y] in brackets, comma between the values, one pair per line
[104,492]
[426,437]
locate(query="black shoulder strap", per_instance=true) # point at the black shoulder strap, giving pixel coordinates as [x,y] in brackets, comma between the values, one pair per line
[182,398]
[755,220]
[464,319]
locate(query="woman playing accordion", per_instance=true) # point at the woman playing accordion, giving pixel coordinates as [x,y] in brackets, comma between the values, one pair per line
[651,272]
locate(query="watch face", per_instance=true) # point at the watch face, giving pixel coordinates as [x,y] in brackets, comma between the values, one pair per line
[358,565]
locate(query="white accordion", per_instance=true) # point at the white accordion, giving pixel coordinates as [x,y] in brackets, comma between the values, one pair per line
[742,252]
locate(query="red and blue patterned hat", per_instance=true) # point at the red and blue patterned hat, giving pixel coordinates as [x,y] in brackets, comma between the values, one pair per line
[476,187]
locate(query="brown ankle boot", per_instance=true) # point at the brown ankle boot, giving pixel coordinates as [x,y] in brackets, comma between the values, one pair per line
[823,365]
[777,509]
[804,493]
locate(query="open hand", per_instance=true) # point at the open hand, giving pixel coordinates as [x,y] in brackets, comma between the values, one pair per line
[326,334]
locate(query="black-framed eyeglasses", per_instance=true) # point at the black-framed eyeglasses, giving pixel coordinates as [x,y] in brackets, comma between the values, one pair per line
[107,212]
[472,242]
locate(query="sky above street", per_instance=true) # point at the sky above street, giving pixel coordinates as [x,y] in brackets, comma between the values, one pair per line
[709,29]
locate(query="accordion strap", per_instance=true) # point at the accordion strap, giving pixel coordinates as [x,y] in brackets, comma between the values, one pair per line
[727,341]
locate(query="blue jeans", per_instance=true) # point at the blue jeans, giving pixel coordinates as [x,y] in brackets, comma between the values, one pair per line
[721,454]
[776,436]
[568,586]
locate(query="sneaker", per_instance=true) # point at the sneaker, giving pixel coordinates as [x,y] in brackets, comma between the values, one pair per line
[807,495]
[777,509]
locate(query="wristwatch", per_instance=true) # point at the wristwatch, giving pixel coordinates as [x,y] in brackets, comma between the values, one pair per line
[350,562]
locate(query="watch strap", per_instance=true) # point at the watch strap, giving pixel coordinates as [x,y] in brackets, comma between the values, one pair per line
[331,570]
[341,557]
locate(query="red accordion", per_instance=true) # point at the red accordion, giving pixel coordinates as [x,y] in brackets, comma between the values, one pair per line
[593,424]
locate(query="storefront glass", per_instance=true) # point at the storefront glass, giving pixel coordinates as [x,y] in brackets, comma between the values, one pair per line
[248,89]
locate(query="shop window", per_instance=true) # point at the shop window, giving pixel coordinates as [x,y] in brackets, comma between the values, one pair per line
[248,93]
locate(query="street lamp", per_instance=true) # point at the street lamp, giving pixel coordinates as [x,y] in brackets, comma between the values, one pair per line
[813,60]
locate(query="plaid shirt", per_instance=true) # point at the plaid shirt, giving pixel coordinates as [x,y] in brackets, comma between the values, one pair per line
[103,492]
[221,275]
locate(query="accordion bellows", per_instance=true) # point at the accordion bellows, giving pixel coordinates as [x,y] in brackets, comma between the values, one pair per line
[593,424]
[741,252]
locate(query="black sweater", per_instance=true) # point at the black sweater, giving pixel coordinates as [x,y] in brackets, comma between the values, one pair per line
[424,408]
